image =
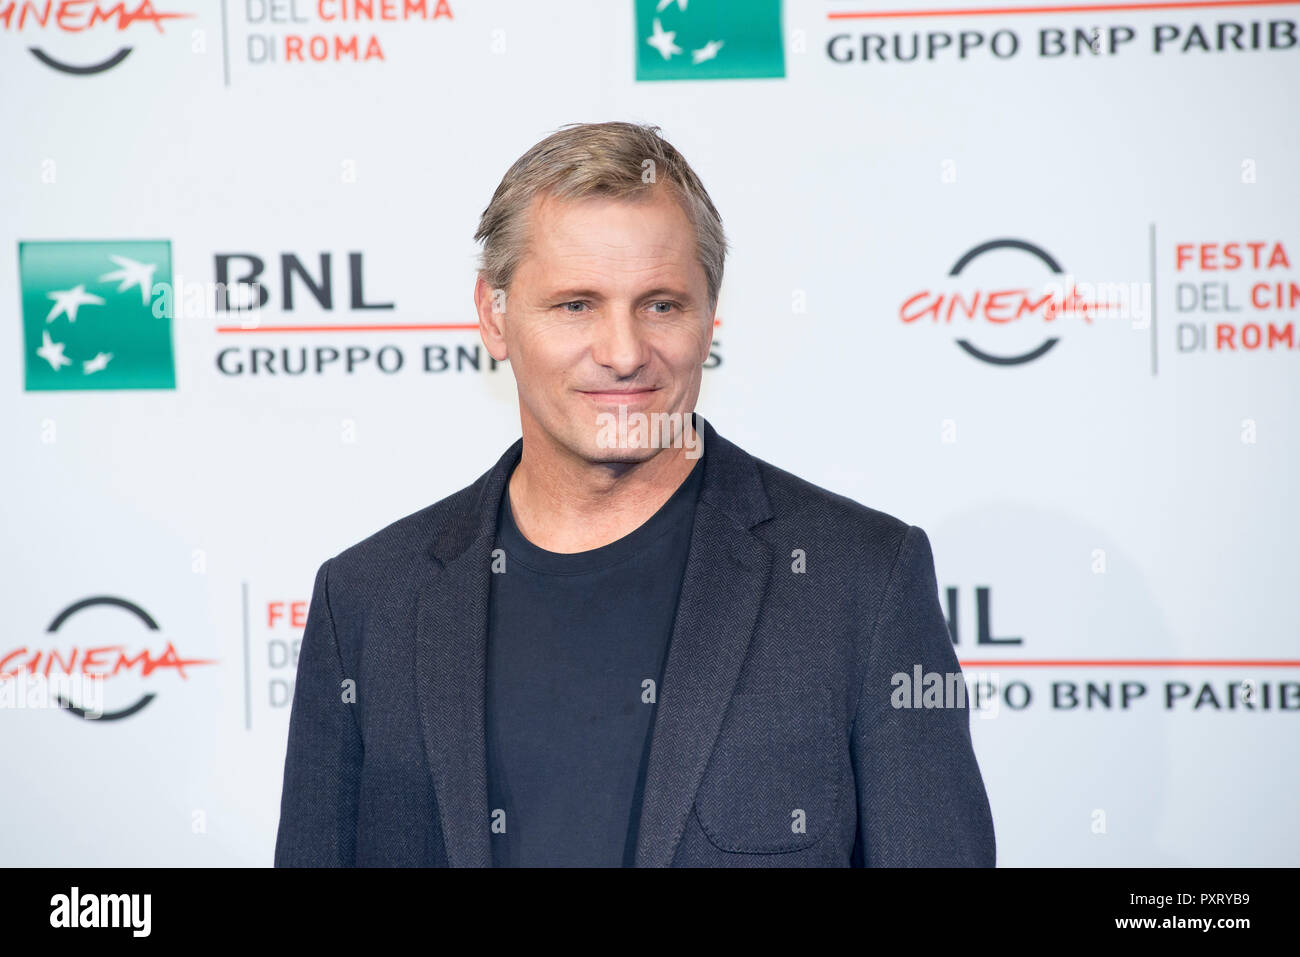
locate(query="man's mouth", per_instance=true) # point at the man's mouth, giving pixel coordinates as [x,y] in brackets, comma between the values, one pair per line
[617,395]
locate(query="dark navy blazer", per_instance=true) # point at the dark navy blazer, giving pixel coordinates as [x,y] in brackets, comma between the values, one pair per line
[776,739]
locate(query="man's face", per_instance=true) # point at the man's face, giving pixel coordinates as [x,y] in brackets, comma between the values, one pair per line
[607,307]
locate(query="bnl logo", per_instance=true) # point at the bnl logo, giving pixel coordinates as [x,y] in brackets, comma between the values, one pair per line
[983,618]
[93,315]
[709,40]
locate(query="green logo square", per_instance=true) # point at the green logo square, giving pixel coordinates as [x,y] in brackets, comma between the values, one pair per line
[708,39]
[89,315]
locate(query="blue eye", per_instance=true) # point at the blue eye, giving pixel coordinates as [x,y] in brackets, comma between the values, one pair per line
[576,302]
[664,303]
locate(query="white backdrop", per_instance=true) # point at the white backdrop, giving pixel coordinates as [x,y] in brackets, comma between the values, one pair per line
[1122,505]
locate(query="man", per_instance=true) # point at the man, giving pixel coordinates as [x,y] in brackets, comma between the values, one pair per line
[624,645]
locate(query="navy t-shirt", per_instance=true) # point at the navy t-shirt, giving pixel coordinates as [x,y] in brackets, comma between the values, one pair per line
[573,640]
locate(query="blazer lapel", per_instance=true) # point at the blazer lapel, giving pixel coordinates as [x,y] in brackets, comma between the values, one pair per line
[450,664]
[726,576]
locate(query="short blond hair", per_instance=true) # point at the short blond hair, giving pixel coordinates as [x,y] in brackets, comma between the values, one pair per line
[622,160]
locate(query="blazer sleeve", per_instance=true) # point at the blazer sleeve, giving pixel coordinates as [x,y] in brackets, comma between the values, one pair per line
[921,799]
[322,767]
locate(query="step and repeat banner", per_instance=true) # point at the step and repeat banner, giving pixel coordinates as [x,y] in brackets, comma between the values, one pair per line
[1026,276]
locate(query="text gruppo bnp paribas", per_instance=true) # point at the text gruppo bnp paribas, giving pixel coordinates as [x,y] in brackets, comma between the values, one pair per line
[1057,42]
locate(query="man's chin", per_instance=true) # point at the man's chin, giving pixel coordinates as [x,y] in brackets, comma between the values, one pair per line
[610,445]
[598,455]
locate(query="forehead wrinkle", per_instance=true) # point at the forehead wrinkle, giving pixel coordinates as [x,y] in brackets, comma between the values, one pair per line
[577,238]
[589,264]
[616,241]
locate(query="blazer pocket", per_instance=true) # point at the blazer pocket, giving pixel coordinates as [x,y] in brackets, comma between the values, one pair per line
[772,784]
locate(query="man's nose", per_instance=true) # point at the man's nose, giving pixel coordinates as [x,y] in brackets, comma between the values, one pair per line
[619,342]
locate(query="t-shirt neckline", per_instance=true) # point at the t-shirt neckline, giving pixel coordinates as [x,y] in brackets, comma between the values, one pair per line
[520,549]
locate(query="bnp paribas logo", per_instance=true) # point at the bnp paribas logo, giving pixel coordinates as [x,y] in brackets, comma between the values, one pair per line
[708,39]
[95,315]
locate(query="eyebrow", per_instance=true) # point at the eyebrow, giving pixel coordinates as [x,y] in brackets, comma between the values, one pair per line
[567,294]
[660,292]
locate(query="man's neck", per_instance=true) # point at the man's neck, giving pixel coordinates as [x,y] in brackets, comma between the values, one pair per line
[566,506]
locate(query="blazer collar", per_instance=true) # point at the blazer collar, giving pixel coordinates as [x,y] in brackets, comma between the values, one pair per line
[723,585]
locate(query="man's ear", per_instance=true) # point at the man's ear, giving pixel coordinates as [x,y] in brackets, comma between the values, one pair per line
[491,307]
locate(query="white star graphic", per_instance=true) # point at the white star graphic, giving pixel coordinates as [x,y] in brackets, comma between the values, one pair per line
[132,273]
[663,41]
[681,5]
[52,352]
[67,301]
[97,363]
[707,52]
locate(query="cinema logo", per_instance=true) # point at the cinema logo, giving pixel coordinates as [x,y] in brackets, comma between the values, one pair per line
[65,25]
[297,32]
[75,909]
[1235,297]
[75,665]
[1002,320]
